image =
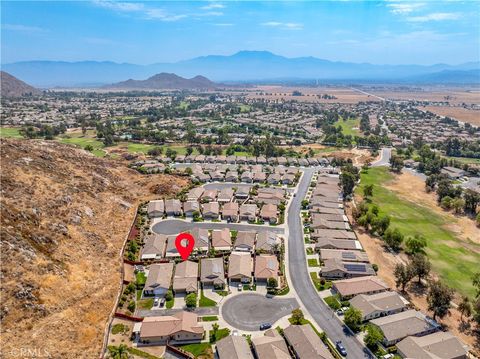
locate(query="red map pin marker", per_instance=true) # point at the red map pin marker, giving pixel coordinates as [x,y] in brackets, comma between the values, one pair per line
[181,248]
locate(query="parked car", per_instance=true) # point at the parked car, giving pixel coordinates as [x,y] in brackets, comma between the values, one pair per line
[162,302]
[341,349]
[155,302]
[265,326]
[240,287]
[339,312]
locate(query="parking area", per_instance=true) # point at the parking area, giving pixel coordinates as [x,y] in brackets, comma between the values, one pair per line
[247,311]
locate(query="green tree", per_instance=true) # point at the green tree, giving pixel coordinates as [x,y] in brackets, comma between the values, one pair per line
[131,306]
[169,295]
[191,300]
[272,282]
[393,238]
[458,204]
[373,337]
[439,299]
[476,284]
[403,275]
[380,224]
[446,202]
[353,318]
[368,191]
[472,199]
[89,148]
[297,317]
[420,266]
[396,163]
[465,307]
[416,244]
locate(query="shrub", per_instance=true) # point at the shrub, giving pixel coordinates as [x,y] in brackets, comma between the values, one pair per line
[131,306]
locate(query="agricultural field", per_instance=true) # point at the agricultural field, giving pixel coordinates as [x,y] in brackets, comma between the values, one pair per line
[458,113]
[454,257]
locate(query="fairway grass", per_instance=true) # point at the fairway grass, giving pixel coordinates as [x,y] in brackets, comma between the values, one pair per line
[350,126]
[451,259]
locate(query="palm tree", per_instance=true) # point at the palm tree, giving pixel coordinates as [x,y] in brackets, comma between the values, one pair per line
[120,352]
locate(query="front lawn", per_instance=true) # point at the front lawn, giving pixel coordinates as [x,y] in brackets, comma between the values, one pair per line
[205,302]
[220,334]
[313,262]
[333,302]
[145,303]
[209,318]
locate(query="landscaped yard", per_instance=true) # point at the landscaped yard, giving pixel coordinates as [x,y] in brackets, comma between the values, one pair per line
[333,302]
[145,303]
[349,126]
[206,302]
[209,318]
[221,333]
[198,349]
[451,258]
[10,132]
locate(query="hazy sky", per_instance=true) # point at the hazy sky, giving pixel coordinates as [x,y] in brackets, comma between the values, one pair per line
[380,32]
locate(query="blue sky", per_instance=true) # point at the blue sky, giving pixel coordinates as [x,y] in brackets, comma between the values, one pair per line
[379,32]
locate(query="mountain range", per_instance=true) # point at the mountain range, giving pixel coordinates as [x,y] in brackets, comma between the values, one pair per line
[164,81]
[13,87]
[244,66]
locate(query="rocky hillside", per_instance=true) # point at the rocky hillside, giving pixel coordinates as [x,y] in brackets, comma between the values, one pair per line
[165,81]
[13,87]
[64,217]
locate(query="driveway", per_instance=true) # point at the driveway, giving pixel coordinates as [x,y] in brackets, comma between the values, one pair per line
[247,311]
[300,279]
[175,226]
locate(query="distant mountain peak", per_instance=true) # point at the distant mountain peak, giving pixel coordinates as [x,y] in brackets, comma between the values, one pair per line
[13,87]
[165,80]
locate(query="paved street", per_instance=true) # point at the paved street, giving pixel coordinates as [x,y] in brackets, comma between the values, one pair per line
[174,226]
[300,279]
[384,160]
[247,311]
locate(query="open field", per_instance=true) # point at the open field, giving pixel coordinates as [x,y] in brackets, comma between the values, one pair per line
[453,245]
[309,94]
[458,113]
[465,159]
[454,95]
[12,132]
[80,140]
[349,126]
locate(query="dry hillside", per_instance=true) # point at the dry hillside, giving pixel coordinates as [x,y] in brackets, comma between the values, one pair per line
[10,86]
[64,217]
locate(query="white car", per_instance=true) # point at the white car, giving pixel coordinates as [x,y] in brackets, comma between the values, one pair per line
[240,287]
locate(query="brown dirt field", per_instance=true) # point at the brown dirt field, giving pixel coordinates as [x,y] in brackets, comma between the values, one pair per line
[358,156]
[458,113]
[65,216]
[342,94]
[454,96]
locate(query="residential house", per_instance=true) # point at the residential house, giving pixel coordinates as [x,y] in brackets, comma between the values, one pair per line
[333,233]
[173,207]
[267,242]
[231,176]
[171,251]
[158,280]
[248,212]
[344,255]
[201,239]
[274,178]
[439,345]
[266,266]
[452,172]
[270,346]
[261,160]
[240,267]
[330,243]
[379,305]
[401,325]
[348,288]
[288,179]
[211,210]
[221,239]
[180,327]
[246,177]
[305,343]
[270,196]
[321,223]
[217,176]
[225,195]
[190,207]
[202,177]
[338,269]
[200,158]
[156,208]
[233,347]
[245,241]
[230,211]
[242,192]
[259,177]
[212,272]
[185,279]
[154,247]
[269,213]
[209,195]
